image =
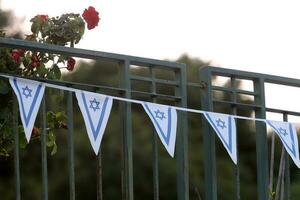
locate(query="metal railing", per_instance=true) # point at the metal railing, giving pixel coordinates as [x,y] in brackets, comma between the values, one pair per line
[123,90]
[180,86]
[258,106]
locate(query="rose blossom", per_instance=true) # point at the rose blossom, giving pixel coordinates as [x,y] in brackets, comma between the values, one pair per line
[35,60]
[42,17]
[16,56]
[91,16]
[70,64]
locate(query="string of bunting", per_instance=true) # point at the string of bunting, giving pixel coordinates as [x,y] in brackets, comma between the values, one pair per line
[96,109]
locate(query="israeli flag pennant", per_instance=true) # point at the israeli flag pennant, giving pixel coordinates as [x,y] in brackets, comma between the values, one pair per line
[288,136]
[95,109]
[29,94]
[164,119]
[225,128]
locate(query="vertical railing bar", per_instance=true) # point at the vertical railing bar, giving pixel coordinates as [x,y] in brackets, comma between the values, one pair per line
[261,141]
[71,145]
[236,167]
[286,180]
[280,174]
[154,146]
[209,150]
[99,176]
[16,148]
[44,150]
[127,135]
[123,167]
[272,166]
[182,138]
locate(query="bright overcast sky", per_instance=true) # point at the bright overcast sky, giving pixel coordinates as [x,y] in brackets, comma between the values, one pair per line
[255,35]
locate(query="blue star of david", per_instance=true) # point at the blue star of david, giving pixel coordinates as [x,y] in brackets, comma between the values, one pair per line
[94,104]
[221,123]
[160,115]
[282,131]
[27,91]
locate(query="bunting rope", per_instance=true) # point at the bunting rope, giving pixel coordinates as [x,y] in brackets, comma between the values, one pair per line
[96,108]
[140,102]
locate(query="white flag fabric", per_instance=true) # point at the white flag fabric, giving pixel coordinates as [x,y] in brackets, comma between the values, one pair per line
[225,128]
[288,136]
[164,119]
[95,109]
[29,94]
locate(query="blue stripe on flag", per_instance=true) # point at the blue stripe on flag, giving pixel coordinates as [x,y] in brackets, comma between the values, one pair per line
[291,135]
[166,138]
[229,146]
[95,131]
[27,118]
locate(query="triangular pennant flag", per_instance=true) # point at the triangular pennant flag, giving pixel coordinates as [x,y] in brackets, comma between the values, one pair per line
[288,136]
[29,94]
[164,119]
[224,126]
[95,109]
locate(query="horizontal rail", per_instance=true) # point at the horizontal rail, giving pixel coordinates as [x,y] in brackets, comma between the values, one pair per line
[283,111]
[224,89]
[83,53]
[159,81]
[239,105]
[252,76]
[156,95]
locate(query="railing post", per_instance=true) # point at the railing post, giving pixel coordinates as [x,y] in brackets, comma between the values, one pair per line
[154,146]
[44,150]
[16,148]
[71,145]
[286,181]
[182,139]
[209,150]
[127,169]
[261,141]
[237,166]
[99,177]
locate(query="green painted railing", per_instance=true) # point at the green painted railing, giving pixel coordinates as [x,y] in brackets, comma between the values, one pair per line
[124,89]
[258,106]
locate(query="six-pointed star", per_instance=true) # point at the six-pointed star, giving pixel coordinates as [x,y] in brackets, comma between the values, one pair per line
[221,123]
[160,115]
[94,104]
[282,131]
[27,91]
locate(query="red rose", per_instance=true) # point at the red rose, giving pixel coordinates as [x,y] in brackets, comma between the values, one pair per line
[16,56]
[21,52]
[35,60]
[42,17]
[91,16]
[71,64]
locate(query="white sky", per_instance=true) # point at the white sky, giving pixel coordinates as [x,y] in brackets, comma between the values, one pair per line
[254,35]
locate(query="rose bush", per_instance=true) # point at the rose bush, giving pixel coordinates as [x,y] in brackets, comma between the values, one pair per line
[64,30]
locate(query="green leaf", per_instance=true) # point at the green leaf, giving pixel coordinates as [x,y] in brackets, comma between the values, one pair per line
[56,71]
[50,139]
[54,149]
[60,116]
[22,139]
[62,59]
[50,115]
[41,70]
